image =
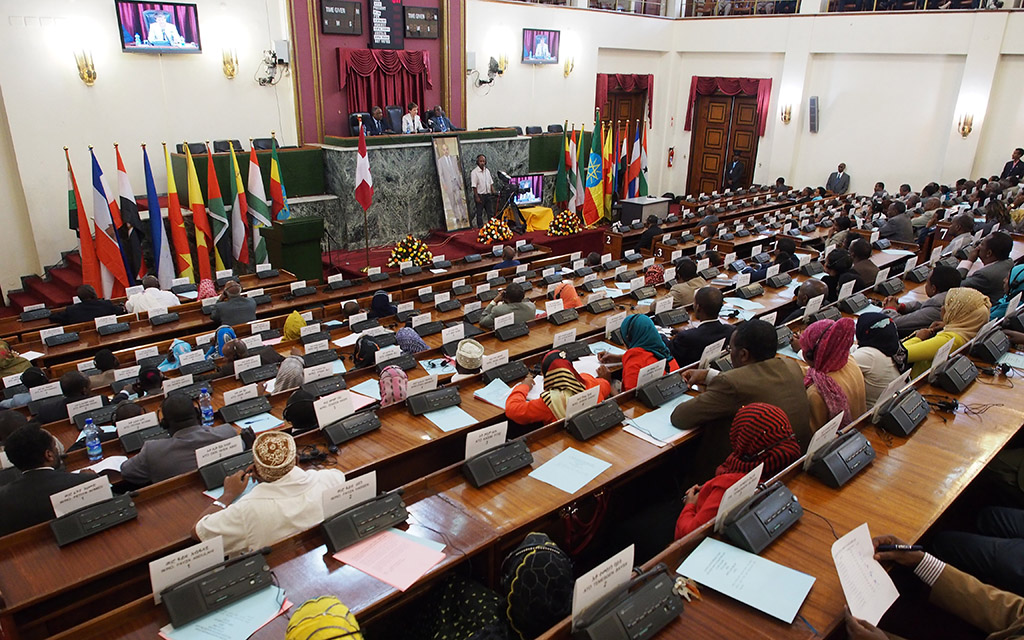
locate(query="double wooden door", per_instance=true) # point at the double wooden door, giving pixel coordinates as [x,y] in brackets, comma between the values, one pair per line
[626,110]
[722,125]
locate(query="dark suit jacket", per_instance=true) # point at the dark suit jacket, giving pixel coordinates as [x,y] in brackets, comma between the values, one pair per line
[168,457]
[85,311]
[734,174]
[647,237]
[687,346]
[26,501]
[836,184]
[1013,171]
[234,311]
[835,283]
[898,228]
[441,123]
[989,279]
[376,127]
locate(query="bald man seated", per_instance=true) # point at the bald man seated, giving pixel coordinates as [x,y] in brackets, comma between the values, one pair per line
[807,291]
[687,346]
[233,308]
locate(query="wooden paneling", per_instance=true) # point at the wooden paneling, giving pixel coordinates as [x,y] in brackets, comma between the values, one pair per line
[722,125]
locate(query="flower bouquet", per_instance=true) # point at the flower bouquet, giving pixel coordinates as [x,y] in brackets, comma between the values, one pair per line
[410,249]
[496,230]
[566,223]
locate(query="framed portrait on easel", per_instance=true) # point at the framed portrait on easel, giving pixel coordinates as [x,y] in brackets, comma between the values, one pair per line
[451,182]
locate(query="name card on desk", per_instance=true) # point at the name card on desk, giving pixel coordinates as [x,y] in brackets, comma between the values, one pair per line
[755,250]
[313,347]
[14,379]
[81,366]
[148,352]
[461,282]
[491,274]
[663,305]
[259,327]
[737,494]
[581,402]
[481,288]
[179,382]
[405,264]
[103,321]
[825,435]
[489,361]
[356,318]
[224,273]
[550,271]
[453,334]
[601,581]
[421,385]
[553,306]
[125,373]
[424,290]
[813,305]
[874,236]
[75,408]
[251,293]
[675,255]
[613,323]
[253,341]
[296,285]
[563,337]
[349,494]
[607,257]
[338,277]
[846,290]
[310,328]
[131,291]
[176,567]
[218,451]
[711,352]
[703,264]
[240,394]
[331,408]
[742,280]
[244,364]
[179,281]
[470,307]
[442,297]
[33,307]
[575,255]
[372,271]
[158,311]
[911,264]
[190,357]
[405,306]
[83,495]
[138,423]
[504,320]
[263,266]
[636,283]
[620,269]
[52,331]
[522,268]
[648,262]
[773,270]
[387,353]
[589,277]
[487,438]
[650,373]
[45,391]
[316,372]
[422,318]
[730,257]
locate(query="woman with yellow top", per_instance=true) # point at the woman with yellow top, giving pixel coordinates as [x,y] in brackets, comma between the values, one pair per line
[964,312]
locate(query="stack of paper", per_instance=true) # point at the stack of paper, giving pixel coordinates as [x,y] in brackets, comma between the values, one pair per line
[570,470]
[236,621]
[496,393]
[396,558]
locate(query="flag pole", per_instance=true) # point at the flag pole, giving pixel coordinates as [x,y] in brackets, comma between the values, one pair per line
[366,223]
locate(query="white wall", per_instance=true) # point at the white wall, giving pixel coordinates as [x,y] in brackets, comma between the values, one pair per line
[1004,125]
[136,98]
[16,243]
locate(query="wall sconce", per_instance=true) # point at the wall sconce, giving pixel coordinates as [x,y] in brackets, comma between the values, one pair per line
[787,114]
[570,64]
[966,125]
[502,63]
[86,68]
[230,57]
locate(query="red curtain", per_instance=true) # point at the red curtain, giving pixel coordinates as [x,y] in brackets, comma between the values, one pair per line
[383,77]
[627,83]
[761,87]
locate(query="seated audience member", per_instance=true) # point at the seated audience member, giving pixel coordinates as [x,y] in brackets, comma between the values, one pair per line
[508,258]
[289,374]
[468,359]
[350,308]
[149,382]
[377,125]
[898,227]
[834,382]
[961,227]
[996,214]
[173,360]
[233,308]
[151,297]
[88,309]
[11,361]
[127,409]
[31,378]
[781,186]
[757,376]
[880,192]
[593,259]
[511,300]
[409,341]
[760,433]
[74,386]
[300,413]
[651,231]
[785,257]
[994,253]
[905,191]
[439,122]
[964,312]
[808,290]
[654,275]
[840,232]
[992,554]
[26,500]
[688,345]
[997,614]
[566,292]
[1014,286]
[860,251]
[165,458]
[411,122]
[286,499]
[839,270]
[561,382]
[107,363]
[687,282]
[644,346]
[879,354]
[293,325]
[10,421]
[222,337]
[929,209]
[380,306]
[913,314]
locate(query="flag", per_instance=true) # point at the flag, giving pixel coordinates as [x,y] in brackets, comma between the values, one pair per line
[199,219]
[162,264]
[570,159]
[593,202]
[239,214]
[218,217]
[256,202]
[633,172]
[581,170]
[179,237]
[562,178]
[278,198]
[131,233]
[608,166]
[86,247]
[113,277]
[642,189]
[364,181]
[623,165]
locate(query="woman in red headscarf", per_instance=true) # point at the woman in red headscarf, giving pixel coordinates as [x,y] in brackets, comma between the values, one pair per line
[566,291]
[834,381]
[760,432]
[561,382]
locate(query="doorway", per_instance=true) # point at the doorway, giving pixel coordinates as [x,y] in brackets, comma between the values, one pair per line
[722,125]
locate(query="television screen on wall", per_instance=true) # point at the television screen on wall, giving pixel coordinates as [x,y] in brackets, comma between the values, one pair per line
[158,27]
[540,46]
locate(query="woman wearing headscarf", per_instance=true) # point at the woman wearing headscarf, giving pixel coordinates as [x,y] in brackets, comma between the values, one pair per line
[10,361]
[380,306]
[410,341]
[760,433]
[178,347]
[834,382]
[206,289]
[566,291]
[879,354]
[644,346]
[654,275]
[1014,285]
[561,382]
[323,618]
[289,374]
[224,335]
[293,326]
[964,312]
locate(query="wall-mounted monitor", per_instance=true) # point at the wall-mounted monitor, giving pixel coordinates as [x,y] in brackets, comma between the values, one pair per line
[540,46]
[158,27]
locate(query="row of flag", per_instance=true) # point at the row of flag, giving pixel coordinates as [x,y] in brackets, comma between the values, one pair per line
[586,181]
[113,247]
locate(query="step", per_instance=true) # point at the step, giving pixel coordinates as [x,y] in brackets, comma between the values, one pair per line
[21,299]
[74,260]
[67,278]
[48,293]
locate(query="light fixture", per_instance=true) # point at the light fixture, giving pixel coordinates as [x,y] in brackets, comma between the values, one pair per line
[86,68]
[570,64]
[787,114]
[966,124]
[230,57]
[502,63]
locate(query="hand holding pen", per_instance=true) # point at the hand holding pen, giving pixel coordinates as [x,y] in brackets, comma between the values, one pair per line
[893,549]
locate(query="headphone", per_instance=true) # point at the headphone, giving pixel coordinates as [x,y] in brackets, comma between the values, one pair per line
[166,426]
[292,402]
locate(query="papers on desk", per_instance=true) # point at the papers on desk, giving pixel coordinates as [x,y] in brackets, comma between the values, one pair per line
[769,587]
[868,588]
[496,393]
[622,285]
[788,351]
[438,271]
[369,388]
[395,559]
[359,400]
[570,470]
[598,347]
[656,426]
[897,252]
[217,492]
[103,429]
[613,292]
[113,463]
[871,308]
[438,366]
[789,290]
[820,276]
[646,301]
[450,418]
[337,367]
[740,314]
[587,364]
[236,621]
[740,303]
[31,355]
[260,423]
[189,295]
[272,342]
[331,323]
[346,341]
[1015,360]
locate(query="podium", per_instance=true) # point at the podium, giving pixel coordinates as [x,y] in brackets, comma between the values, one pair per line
[294,245]
[637,209]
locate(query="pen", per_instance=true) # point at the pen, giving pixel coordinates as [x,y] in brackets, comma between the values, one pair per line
[899,547]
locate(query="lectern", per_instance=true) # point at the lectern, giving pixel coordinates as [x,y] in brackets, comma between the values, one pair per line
[294,245]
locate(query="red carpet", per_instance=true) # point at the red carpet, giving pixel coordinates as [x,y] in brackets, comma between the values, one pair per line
[457,244]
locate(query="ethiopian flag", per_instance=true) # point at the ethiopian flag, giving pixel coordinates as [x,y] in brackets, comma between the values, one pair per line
[593,190]
[608,166]
[278,197]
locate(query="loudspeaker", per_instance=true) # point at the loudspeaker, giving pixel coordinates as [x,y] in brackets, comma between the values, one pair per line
[813,108]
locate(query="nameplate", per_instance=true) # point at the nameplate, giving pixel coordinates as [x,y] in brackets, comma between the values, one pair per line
[482,288]
[124,373]
[636,283]
[453,334]
[310,328]
[218,451]
[613,323]
[650,373]
[252,293]
[742,280]
[846,290]
[553,306]
[52,331]
[489,361]
[179,281]
[675,255]
[607,257]
[240,394]
[601,581]
[34,307]
[313,347]
[620,269]
[83,495]
[461,282]
[663,305]
[770,317]
[307,316]
[405,306]
[372,271]
[670,274]
[224,273]
[422,291]
[81,366]
[176,567]
[442,297]
[711,352]
[547,272]
[387,353]
[296,285]
[332,408]
[773,270]
[148,352]
[244,364]
[703,264]
[563,337]
[356,318]
[316,372]
[589,277]
[421,385]
[45,391]
[103,321]
[338,277]
[737,494]
[504,320]
[813,305]
[470,307]
[422,318]
[75,408]
[575,255]
[260,327]
[581,402]
[191,357]
[485,439]
[177,383]
[648,262]
[158,311]
[14,379]
[491,274]
[253,341]
[208,302]
[521,268]
[349,494]
[138,423]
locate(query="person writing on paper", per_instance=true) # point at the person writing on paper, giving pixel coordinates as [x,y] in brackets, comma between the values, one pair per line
[468,359]
[760,433]
[511,300]
[561,382]
[644,346]
[233,308]
[687,282]
[151,297]
[688,345]
[912,315]
[834,382]
[286,499]
[163,458]
[1000,614]
[963,314]
[879,354]
[1014,285]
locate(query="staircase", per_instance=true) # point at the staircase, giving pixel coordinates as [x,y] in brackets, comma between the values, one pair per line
[54,289]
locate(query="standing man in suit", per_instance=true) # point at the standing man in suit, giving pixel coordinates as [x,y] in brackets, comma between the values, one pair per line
[994,253]
[1014,169]
[377,126]
[839,181]
[734,172]
[688,346]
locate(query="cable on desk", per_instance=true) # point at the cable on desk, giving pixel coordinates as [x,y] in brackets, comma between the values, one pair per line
[833,529]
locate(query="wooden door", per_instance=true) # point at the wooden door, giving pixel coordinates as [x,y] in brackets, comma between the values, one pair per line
[722,125]
[626,110]
[743,135]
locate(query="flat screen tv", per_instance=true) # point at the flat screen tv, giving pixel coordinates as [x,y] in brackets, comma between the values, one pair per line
[534,189]
[540,46]
[158,27]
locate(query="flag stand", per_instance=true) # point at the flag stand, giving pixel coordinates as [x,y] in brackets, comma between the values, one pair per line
[366,241]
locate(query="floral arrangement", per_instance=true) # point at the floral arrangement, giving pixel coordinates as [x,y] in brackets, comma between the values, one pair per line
[410,249]
[496,230]
[566,223]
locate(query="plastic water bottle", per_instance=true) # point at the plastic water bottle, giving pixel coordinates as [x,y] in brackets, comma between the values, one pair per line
[92,441]
[206,406]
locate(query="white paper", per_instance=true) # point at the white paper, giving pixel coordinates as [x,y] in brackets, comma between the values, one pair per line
[581,402]
[82,495]
[188,562]
[868,588]
[487,438]
[349,494]
[332,408]
[218,451]
[240,394]
[737,494]
[601,581]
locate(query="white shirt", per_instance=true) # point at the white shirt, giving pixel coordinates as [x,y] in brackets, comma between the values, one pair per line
[878,371]
[151,298]
[272,511]
[481,180]
[410,125]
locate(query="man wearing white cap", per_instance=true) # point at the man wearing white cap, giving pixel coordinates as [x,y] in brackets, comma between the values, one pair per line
[286,499]
[468,359]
